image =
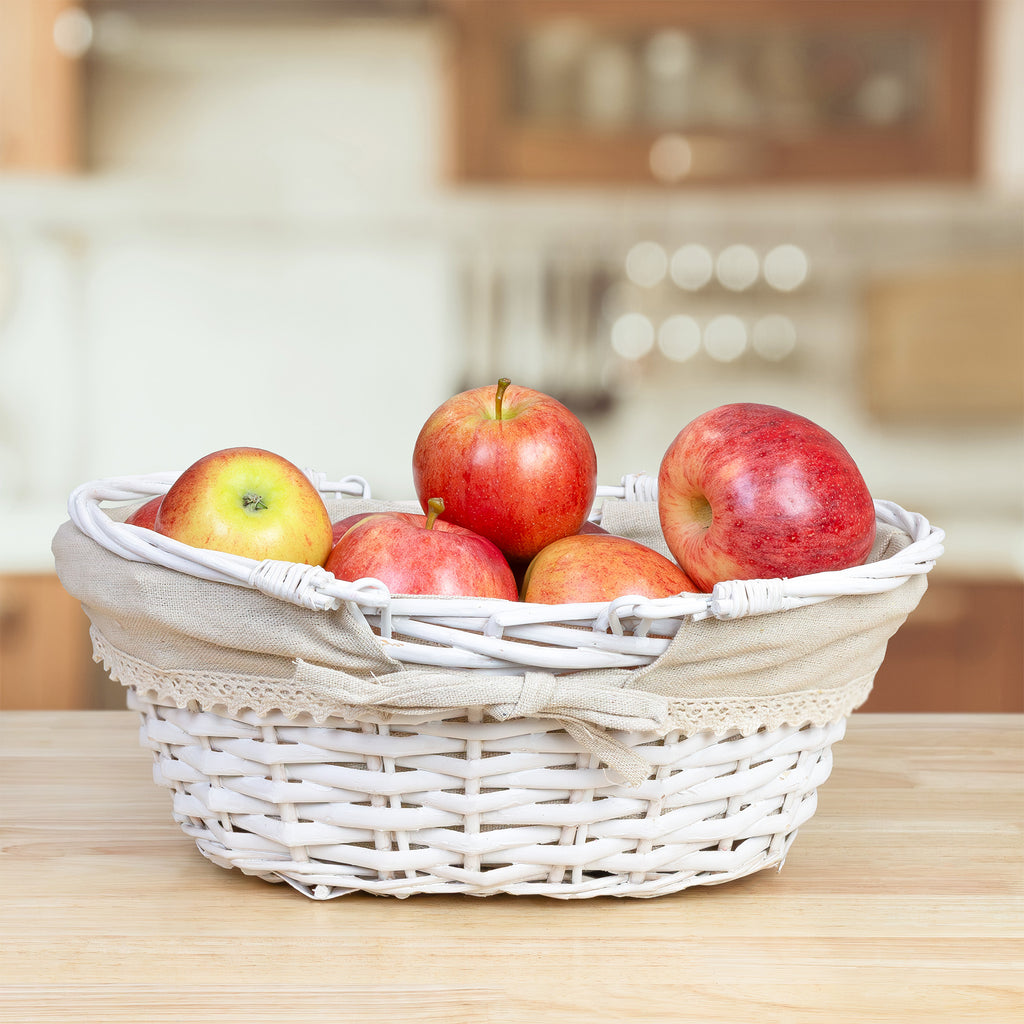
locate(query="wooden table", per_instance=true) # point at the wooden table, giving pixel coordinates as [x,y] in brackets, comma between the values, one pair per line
[900,901]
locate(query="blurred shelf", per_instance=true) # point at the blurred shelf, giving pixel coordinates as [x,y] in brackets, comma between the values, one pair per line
[970,214]
[45,650]
[730,93]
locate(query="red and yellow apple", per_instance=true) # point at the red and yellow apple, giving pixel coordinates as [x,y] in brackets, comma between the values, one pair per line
[422,554]
[512,464]
[341,527]
[250,502]
[591,567]
[145,514]
[749,491]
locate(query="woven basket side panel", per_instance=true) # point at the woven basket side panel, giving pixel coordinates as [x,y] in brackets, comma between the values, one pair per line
[440,808]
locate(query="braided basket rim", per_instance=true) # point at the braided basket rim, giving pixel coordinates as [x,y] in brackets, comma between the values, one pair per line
[314,587]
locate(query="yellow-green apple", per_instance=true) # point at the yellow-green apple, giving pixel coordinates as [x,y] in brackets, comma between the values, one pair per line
[145,514]
[600,567]
[251,502]
[422,554]
[513,464]
[749,491]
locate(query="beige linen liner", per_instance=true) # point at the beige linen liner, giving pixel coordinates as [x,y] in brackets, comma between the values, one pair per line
[195,643]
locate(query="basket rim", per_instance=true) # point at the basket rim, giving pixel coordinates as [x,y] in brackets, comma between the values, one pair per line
[316,588]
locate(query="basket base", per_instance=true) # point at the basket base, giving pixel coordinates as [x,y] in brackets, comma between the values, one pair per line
[479,808]
[600,885]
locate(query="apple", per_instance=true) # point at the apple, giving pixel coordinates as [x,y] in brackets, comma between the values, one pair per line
[511,463]
[749,491]
[519,567]
[600,567]
[422,554]
[339,529]
[251,502]
[145,515]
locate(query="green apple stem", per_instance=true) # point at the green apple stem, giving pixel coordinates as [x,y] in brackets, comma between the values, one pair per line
[435,506]
[253,502]
[502,385]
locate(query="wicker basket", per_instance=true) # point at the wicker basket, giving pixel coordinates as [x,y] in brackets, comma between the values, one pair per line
[458,802]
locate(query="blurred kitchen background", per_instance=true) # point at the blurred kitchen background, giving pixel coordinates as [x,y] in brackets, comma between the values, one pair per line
[303,225]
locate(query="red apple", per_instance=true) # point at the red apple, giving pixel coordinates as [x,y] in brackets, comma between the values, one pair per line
[511,463]
[251,502]
[750,491]
[519,567]
[145,515]
[339,529]
[422,554]
[600,567]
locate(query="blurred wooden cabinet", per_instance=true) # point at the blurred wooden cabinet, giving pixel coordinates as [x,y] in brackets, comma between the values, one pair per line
[962,649]
[40,84]
[713,91]
[45,651]
[945,343]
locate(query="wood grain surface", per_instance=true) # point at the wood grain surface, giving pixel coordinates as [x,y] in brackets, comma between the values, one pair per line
[901,900]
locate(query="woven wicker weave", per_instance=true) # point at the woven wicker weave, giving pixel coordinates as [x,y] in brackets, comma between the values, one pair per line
[455,802]
[463,806]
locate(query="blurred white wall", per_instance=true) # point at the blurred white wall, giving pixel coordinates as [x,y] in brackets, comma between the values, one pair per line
[247,262]
[263,252]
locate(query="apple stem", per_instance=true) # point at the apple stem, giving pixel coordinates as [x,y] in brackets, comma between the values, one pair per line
[435,506]
[254,502]
[502,385]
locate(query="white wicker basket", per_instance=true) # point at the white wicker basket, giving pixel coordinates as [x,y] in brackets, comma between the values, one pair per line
[457,802]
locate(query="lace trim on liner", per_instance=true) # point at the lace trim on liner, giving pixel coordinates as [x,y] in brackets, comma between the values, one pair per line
[207,691]
[806,707]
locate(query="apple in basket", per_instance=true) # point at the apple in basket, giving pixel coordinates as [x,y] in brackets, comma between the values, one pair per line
[422,554]
[145,514]
[250,502]
[513,465]
[749,491]
[342,526]
[600,567]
